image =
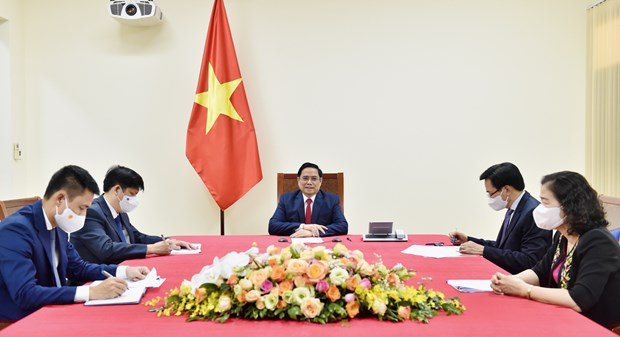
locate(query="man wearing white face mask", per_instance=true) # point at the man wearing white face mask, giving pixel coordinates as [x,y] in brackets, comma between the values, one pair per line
[108,236]
[519,244]
[37,262]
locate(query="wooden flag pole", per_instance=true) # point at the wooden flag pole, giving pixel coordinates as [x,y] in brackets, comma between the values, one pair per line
[221,222]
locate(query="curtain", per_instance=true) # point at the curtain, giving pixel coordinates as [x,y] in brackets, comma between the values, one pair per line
[603,97]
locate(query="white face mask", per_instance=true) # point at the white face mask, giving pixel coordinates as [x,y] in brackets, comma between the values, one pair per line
[498,203]
[129,203]
[68,221]
[547,217]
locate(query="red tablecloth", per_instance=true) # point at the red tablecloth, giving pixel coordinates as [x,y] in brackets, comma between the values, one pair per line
[487,314]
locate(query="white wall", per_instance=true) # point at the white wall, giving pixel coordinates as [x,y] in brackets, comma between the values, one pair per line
[412,99]
[5,108]
[13,174]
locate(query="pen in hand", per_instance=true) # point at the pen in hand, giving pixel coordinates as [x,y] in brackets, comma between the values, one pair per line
[453,238]
[106,274]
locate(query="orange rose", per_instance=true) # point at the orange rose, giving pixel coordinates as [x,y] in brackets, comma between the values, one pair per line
[404,312]
[281,304]
[353,282]
[273,250]
[232,280]
[296,266]
[252,296]
[278,273]
[258,277]
[241,297]
[316,272]
[200,294]
[285,285]
[272,261]
[353,308]
[375,276]
[393,279]
[333,293]
[345,262]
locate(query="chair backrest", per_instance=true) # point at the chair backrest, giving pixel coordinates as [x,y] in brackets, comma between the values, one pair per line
[8,207]
[332,182]
[612,211]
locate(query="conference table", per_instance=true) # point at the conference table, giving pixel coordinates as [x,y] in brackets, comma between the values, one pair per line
[487,314]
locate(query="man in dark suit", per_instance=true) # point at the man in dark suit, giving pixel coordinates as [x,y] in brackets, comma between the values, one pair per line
[309,211]
[36,258]
[108,236]
[520,243]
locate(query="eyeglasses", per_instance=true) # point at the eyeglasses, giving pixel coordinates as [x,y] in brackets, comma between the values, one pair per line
[492,194]
[313,179]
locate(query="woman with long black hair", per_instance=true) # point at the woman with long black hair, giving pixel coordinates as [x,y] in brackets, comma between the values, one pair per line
[581,270]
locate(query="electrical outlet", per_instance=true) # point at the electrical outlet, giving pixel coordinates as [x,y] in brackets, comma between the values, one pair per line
[17,152]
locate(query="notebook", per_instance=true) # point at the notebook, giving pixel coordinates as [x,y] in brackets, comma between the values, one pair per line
[132,295]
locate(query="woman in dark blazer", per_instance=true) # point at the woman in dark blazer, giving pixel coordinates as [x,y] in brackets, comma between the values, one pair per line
[581,270]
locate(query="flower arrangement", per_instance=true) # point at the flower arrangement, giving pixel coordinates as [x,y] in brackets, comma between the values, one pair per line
[302,283]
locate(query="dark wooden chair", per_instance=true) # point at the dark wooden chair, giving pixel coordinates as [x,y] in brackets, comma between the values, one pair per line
[332,182]
[8,207]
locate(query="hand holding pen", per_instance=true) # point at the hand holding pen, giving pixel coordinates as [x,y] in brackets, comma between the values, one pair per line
[111,287]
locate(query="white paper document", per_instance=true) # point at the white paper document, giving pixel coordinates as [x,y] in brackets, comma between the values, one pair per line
[198,250]
[433,251]
[152,280]
[307,240]
[130,296]
[471,286]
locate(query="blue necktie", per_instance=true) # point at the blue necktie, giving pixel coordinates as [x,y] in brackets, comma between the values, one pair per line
[506,224]
[55,258]
[119,228]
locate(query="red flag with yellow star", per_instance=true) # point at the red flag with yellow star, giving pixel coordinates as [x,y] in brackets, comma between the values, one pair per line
[221,140]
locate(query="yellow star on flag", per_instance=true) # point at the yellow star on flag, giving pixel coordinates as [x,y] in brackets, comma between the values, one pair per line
[217,99]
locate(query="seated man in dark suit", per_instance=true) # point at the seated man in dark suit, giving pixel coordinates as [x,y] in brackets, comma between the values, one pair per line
[108,236]
[309,211]
[36,259]
[520,244]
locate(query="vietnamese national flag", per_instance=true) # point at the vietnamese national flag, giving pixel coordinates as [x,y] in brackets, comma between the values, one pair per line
[221,140]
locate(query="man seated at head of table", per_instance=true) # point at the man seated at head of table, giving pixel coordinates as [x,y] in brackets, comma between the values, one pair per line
[581,270]
[519,244]
[309,211]
[108,236]
[36,259]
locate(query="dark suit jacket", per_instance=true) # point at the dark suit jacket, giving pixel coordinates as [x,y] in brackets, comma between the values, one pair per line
[291,213]
[26,267]
[100,242]
[524,243]
[594,275]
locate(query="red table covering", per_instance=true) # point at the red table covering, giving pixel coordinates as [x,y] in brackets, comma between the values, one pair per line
[487,314]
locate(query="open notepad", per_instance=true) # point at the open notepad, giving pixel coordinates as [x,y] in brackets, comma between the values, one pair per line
[432,251]
[184,251]
[130,296]
[135,290]
[471,286]
[307,240]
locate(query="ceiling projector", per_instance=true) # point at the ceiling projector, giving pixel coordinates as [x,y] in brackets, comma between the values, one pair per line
[136,12]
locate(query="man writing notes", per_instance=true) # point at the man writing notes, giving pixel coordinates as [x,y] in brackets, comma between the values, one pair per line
[36,258]
[108,236]
[309,211]
[520,243]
